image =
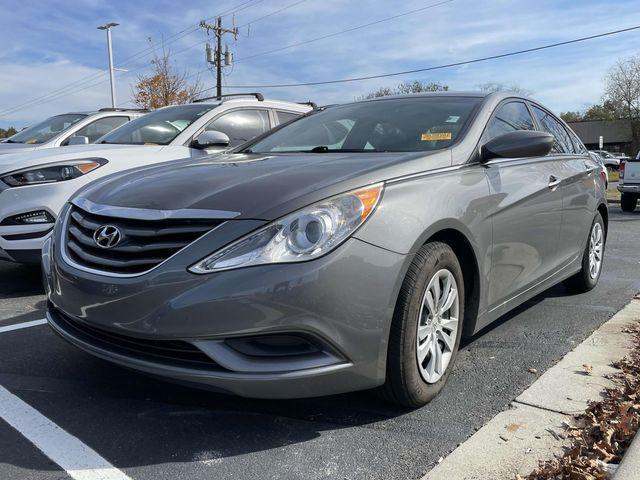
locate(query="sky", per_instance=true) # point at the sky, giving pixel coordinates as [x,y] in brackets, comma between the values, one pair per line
[54,60]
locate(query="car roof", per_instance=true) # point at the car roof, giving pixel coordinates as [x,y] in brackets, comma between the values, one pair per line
[267,102]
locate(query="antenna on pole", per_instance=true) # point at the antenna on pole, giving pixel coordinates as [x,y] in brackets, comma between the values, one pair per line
[216,57]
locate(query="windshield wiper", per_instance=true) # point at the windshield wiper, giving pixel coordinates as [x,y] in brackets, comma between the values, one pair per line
[325,149]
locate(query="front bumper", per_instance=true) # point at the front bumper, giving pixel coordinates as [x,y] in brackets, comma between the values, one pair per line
[23,243]
[342,302]
[629,188]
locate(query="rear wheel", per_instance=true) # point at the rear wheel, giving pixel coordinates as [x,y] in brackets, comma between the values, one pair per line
[628,202]
[426,328]
[587,278]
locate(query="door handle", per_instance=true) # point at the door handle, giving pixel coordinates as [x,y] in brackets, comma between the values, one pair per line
[588,168]
[553,182]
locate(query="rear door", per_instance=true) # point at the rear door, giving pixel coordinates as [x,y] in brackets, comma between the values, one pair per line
[577,177]
[526,214]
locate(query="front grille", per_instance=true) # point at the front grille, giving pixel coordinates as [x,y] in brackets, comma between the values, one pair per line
[168,352]
[144,244]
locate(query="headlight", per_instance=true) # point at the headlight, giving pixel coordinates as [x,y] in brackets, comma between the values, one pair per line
[53,172]
[303,235]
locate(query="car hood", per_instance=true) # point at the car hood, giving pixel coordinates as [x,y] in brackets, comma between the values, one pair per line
[16,161]
[256,186]
[6,148]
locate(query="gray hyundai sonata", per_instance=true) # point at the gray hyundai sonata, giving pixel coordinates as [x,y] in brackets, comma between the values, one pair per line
[350,249]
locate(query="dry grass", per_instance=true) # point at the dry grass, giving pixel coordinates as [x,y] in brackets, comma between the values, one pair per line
[614,176]
[605,430]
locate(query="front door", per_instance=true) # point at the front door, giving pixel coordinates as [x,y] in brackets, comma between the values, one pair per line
[526,213]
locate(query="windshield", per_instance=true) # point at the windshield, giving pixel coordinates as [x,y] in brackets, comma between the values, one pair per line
[157,128]
[411,124]
[45,131]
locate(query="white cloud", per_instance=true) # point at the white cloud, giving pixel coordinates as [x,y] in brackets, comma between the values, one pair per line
[565,78]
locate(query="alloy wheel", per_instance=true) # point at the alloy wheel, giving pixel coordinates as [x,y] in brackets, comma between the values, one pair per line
[596,243]
[437,326]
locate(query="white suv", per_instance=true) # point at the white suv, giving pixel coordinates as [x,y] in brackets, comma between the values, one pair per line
[34,186]
[68,129]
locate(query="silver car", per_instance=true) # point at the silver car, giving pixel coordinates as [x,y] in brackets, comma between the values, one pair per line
[350,249]
[68,129]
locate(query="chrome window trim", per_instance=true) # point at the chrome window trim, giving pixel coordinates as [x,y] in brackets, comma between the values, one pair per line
[151,214]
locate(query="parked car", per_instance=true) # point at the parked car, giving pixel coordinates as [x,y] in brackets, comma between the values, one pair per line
[350,249]
[629,183]
[34,186]
[610,160]
[68,128]
[604,173]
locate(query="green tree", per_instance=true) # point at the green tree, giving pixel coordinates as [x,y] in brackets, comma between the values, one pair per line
[405,88]
[503,87]
[4,133]
[571,116]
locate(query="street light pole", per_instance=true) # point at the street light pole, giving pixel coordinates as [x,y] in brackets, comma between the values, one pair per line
[108,27]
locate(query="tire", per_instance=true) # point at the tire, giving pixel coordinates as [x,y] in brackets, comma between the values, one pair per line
[406,384]
[585,280]
[628,202]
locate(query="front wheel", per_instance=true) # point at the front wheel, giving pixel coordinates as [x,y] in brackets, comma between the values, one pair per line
[426,328]
[587,278]
[628,202]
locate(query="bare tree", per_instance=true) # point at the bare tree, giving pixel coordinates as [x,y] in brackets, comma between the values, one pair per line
[165,86]
[623,92]
[405,88]
[503,87]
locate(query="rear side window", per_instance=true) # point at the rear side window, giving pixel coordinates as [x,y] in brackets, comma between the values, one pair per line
[549,124]
[284,117]
[241,125]
[100,127]
[509,117]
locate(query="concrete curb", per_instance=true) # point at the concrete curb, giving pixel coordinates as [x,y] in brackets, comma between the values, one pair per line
[629,468]
[534,428]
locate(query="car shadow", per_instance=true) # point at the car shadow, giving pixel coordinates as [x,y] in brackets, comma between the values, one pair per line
[18,280]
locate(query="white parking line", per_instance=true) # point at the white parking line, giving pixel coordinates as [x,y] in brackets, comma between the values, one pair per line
[77,459]
[18,326]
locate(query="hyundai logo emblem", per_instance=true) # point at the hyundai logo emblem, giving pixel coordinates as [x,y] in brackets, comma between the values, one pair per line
[107,236]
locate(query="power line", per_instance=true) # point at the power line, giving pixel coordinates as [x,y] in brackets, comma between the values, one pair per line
[70,88]
[348,30]
[438,67]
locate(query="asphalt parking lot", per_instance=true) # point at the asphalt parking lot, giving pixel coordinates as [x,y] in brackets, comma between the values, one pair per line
[154,430]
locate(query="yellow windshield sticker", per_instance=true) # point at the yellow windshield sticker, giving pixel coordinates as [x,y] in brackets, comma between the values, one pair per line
[428,137]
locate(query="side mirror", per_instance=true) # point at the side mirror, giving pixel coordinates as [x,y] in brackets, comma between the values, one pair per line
[518,144]
[78,140]
[209,139]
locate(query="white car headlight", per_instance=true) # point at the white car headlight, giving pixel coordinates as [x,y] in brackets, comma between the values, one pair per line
[303,235]
[52,172]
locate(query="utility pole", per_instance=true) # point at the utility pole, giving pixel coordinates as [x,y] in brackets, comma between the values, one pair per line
[219,32]
[108,27]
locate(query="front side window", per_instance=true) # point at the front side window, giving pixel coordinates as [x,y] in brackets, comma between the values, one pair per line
[157,128]
[562,141]
[411,124]
[99,128]
[509,117]
[241,125]
[45,131]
